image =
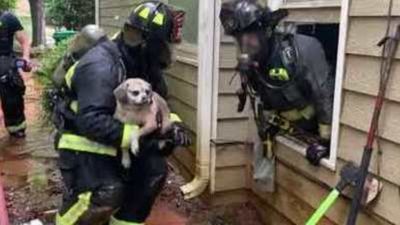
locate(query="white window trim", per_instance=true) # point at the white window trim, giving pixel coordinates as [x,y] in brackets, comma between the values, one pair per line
[331,162]
[311,4]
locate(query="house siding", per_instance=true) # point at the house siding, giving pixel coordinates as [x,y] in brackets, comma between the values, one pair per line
[301,187]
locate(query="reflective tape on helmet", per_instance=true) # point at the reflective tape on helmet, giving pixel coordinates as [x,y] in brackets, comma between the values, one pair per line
[114,221]
[76,211]
[159,19]
[70,73]
[325,131]
[129,129]
[16,128]
[144,13]
[82,144]
[279,74]
[174,118]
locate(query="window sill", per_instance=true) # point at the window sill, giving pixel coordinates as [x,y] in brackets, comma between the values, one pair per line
[312,4]
[300,147]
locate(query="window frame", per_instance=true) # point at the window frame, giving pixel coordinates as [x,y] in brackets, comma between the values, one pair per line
[288,4]
[331,162]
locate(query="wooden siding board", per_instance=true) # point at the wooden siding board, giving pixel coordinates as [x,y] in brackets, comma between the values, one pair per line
[363,76]
[187,113]
[325,178]
[373,8]
[231,155]
[122,12]
[268,213]
[183,91]
[113,3]
[226,84]
[351,147]
[227,107]
[230,178]
[184,72]
[232,130]
[314,15]
[358,109]
[296,210]
[313,194]
[365,33]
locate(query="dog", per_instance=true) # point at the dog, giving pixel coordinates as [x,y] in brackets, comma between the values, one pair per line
[138,104]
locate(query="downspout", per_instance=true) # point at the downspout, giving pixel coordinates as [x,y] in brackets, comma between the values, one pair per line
[205,95]
[97,12]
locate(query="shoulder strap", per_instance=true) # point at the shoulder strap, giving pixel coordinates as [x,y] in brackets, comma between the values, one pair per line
[113,49]
[289,54]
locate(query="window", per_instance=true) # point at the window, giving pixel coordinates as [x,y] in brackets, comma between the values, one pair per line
[333,39]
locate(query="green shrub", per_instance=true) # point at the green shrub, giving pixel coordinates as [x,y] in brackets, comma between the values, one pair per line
[7,4]
[50,59]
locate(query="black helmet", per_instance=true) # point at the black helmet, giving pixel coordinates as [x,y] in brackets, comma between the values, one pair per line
[157,20]
[239,16]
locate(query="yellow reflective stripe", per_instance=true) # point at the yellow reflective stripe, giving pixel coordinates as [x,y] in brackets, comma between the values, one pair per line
[159,19]
[114,221]
[16,128]
[145,13]
[115,35]
[295,114]
[82,144]
[279,74]
[174,117]
[325,131]
[70,73]
[76,211]
[74,106]
[127,133]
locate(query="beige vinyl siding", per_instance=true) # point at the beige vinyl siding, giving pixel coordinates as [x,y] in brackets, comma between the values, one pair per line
[301,187]
[231,171]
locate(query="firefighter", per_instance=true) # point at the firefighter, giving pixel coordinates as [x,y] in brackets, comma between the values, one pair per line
[12,88]
[98,189]
[288,73]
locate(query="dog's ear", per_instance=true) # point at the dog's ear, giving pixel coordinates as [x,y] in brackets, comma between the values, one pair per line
[121,93]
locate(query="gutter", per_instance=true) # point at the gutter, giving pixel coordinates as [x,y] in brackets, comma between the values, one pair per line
[207,98]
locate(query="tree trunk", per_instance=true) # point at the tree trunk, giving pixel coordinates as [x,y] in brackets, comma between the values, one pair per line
[38,22]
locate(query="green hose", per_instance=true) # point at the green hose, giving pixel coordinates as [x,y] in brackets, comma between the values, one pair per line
[324,207]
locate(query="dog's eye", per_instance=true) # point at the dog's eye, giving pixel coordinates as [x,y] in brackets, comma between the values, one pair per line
[147,92]
[135,93]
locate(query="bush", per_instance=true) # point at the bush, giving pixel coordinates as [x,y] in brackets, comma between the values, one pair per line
[49,62]
[50,59]
[7,4]
[72,14]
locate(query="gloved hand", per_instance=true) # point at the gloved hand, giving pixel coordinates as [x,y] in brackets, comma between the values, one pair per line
[318,151]
[178,135]
[269,129]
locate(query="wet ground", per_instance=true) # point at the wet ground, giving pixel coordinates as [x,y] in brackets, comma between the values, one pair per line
[33,185]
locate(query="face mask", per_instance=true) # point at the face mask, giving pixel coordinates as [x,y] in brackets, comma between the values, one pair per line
[249,43]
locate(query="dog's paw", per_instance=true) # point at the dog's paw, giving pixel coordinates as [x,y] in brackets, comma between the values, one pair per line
[135,146]
[135,143]
[126,160]
[162,144]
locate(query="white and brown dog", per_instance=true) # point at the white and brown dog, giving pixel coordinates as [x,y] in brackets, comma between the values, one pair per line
[138,104]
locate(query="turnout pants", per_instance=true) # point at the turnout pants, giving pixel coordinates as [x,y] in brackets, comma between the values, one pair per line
[99,190]
[12,90]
